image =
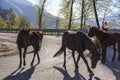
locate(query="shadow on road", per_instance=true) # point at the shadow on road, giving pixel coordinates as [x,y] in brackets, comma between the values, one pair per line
[115,67]
[30,52]
[21,75]
[77,76]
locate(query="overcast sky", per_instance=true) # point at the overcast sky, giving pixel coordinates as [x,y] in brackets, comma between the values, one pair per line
[52,6]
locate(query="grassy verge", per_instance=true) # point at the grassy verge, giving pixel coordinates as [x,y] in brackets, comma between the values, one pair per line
[7,49]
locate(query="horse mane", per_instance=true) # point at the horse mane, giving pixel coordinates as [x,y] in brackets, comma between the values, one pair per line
[71,32]
[30,32]
[40,33]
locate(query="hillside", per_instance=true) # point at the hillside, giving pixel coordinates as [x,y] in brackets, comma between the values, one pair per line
[24,7]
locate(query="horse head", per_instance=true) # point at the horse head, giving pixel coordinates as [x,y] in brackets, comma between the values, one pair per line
[94,59]
[30,32]
[92,31]
[95,55]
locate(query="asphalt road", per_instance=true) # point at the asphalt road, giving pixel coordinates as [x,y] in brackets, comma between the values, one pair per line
[51,68]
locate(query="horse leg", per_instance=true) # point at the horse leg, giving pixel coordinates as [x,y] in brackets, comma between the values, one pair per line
[24,55]
[78,57]
[33,57]
[114,48]
[104,54]
[88,68]
[76,65]
[38,57]
[39,47]
[64,65]
[118,51]
[20,56]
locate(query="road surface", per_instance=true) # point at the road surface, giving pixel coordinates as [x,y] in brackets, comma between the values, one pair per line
[51,68]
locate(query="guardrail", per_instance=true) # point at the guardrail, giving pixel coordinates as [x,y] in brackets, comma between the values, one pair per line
[47,31]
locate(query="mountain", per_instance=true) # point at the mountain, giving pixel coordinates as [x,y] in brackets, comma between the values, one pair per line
[24,7]
[113,21]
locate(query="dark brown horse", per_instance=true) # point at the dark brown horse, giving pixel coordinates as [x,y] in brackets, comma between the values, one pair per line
[26,38]
[106,39]
[78,41]
[96,40]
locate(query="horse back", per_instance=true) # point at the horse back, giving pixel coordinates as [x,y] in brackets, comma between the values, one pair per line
[73,40]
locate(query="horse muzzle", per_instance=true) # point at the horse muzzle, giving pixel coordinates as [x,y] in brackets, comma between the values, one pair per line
[93,67]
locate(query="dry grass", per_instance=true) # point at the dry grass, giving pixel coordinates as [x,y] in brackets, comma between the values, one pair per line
[7,49]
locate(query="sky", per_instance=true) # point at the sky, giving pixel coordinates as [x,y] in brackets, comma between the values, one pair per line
[52,6]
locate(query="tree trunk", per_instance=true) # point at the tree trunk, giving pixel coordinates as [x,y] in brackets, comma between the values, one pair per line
[82,13]
[104,15]
[71,12]
[85,20]
[96,16]
[40,14]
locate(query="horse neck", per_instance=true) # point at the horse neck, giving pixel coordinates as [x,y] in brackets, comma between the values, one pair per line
[93,49]
[99,34]
[90,46]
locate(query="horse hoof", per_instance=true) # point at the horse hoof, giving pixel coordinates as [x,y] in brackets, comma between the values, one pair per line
[31,64]
[38,62]
[23,67]
[103,62]
[91,74]
[64,67]
[24,64]
[19,67]
[76,71]
[112,60]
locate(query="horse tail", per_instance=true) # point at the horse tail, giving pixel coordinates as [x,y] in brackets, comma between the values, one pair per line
[59,52]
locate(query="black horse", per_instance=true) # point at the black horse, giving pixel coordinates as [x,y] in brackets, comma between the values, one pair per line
[78,41]
[26,38]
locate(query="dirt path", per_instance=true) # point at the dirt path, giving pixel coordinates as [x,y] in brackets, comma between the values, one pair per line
[51,68]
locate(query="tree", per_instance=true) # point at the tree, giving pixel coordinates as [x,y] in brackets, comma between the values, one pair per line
[40,12]
[57,22]
[71,12]
[3,23]
[13,20]
[82,13]
[24,23]
[85,9]
[96,16]
[65,9]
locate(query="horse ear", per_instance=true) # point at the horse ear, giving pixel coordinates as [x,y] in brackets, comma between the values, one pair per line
[29,30]
[40,33]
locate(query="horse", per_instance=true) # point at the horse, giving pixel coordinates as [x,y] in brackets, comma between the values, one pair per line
[96,40]
[106,39]
[27,38]
[78,41]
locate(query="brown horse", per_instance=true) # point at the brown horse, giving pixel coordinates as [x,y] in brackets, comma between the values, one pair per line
[26,38]
[96,40]
[78,41]
[106,39]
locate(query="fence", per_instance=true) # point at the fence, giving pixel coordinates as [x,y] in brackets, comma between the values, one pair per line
[46,31]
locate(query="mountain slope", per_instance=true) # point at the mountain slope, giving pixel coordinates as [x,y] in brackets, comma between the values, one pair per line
[24,7]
